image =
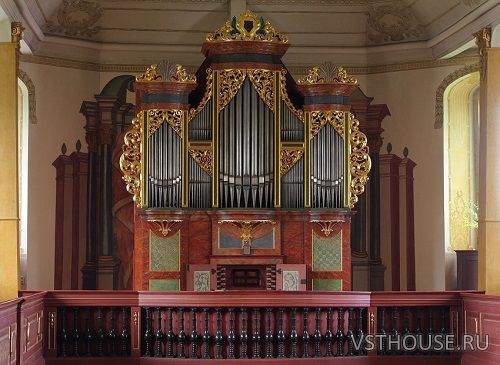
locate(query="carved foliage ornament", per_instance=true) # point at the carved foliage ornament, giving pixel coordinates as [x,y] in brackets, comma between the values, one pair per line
[289,157]
[203,157]
[173,117]
[206,97]
[359,161]
[164,227]
[247,28]
[76,18]
[284,96]
[483,42]
[230,82]
[327,73]
[327,227]
[130,160]
[393,23]
[174,74]
[319,119]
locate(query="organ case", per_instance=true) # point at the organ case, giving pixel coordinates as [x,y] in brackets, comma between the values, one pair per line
[248,166]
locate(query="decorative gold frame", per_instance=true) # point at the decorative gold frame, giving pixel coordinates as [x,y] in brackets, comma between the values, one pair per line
[131,160]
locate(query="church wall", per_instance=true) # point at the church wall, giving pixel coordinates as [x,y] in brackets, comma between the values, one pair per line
[410,96]
[59,94]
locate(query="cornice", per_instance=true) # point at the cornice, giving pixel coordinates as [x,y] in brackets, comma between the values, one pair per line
[296,70]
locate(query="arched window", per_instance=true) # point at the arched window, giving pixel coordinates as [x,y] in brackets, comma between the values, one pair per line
[461,151]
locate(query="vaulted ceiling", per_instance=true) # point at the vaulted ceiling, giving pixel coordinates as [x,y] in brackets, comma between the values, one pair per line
[105,30]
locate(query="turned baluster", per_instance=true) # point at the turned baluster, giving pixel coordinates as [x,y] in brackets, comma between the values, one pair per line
[329,333]
[100,332]
[305,333]
[148,334]
[159,334]
[231,336]
[206,335]
[360,334]
[218,335]
[181,337]
[294,336]
[170,337]
[406,327]
[124,333]
[269,334]
[339,337]
[76,333]
[112,333]
[256,334]
[394,332]
[194,335]
[383,333]
[317,334]
[244,335]
[63,335]
[418,331]
[350,333]
[280,336]
[430,332]
[88,333]
[444,331]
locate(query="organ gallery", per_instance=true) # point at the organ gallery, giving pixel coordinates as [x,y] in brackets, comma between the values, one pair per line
[243,177]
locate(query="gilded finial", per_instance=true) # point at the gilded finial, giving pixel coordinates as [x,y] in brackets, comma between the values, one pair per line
[247,28]
[328,73]
[405,152]
[181,75]
[389,147]
[64,149]
[16,32]
[312,77]
[150,74]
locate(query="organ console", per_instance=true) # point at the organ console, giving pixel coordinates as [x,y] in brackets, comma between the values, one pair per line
[243,177]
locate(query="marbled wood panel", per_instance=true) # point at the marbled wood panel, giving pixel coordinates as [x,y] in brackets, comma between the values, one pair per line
[345,226]
[292,236]
[199,243]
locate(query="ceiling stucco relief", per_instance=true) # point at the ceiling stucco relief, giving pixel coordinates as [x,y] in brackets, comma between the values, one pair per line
[76,18]
[472,3]
[393,23]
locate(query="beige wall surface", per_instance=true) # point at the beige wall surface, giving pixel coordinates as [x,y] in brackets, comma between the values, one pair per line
[410,96]
[59,94]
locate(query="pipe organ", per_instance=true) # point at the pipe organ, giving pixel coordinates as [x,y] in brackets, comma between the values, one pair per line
[242,176]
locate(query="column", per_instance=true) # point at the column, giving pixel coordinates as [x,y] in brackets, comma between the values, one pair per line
[489,166]
[9,174]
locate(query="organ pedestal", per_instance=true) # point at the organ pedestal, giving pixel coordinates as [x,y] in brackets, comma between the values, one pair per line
[243,177]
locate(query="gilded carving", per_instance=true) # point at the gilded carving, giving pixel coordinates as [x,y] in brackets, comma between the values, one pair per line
[16,32]
[359,161]
[230,82]
[327,73]
[247,28]
[319,119]
[76,18]
[130,160]
[312,77]
[263,81]
[203,157]
[247,228]
[164,227]
[151,74]
[483,42]
[156,117]
[284,96]
[327,227]
[181,75]
[289,157]
[206,97]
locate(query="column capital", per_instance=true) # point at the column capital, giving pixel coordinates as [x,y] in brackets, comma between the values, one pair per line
[483,42]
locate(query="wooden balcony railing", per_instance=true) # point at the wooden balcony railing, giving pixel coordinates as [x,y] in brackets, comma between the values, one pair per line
[126,327]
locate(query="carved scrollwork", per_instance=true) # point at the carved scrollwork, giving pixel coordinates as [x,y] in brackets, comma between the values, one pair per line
[76,18]
[327,227]
[181,75]
[312,77]
[151,74]
[289,157]
[164,227]
[130,160]
[203,157]
[173,117]
[284,96]
[319,119]
[206,97]
[247,28]
[230,82]
[263,81]
[327,73]
[359,161]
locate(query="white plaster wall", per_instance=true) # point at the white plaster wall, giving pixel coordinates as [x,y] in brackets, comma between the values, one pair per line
[59,94]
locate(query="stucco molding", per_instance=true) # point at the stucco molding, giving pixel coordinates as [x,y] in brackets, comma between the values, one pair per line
[448,80]
[23,76]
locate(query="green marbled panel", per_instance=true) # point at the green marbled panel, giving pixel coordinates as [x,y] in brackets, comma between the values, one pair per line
[164,252]
[164,284]
[327,284]
[327,253]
